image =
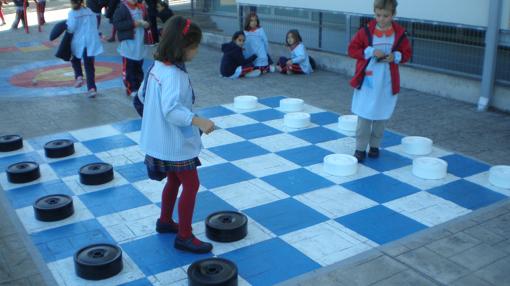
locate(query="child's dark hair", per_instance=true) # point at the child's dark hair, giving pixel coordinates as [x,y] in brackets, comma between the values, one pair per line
[295,34]
[77,2]
[386,4]
[247,21]
[178,35]
[163,4]
[236,35]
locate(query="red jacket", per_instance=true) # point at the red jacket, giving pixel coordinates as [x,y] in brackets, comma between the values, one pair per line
[361,41]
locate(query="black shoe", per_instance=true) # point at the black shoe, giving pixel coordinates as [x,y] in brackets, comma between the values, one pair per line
[373,152]
[188,245]
[360,155]
[163,227]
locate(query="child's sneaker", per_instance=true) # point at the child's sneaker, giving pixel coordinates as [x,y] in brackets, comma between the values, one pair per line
[133,94]
[92,93]
[78,82]
[272,68]
[192,244]
[360,155]
[253,73]
[373,152]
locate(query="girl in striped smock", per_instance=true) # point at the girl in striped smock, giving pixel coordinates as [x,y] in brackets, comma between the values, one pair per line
[170,134]
[256,43]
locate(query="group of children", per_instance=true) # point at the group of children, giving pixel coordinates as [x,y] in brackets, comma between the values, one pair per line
[171,131]
[247,55]
[21,12]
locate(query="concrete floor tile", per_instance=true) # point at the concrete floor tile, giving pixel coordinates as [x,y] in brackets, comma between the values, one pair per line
[471,280]
[406,278]
[478,256]
[481,233]
[433,265]
[496,273]
[380,268]
[453,244]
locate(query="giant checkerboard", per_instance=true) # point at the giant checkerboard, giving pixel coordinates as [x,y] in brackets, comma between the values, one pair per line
[300,218]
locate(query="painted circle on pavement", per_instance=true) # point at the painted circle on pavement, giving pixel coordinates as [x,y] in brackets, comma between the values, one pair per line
[62,75]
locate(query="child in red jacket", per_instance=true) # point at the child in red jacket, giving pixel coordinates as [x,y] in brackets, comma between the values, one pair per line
[378,49]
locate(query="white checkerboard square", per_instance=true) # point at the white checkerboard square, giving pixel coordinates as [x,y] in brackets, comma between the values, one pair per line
[73,182]
[334,127]
[27,217]
[79,151]
[265,165]
[233,120]
[220,137]
[94,132]
[405,174]
[25,149]
[256,233]
[280,142]
[135,136]
[482,179]
[64,273]
[345,145]
[122,156]
[427,208]
[249,194]
[335,201]
[363,171]
[131,224]
[208,158]
[47,174]
[327,242]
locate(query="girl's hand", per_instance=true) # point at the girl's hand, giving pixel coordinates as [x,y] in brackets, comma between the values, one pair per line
[289,62]
[145,24]
[379,54]
[389,58]
[205,125]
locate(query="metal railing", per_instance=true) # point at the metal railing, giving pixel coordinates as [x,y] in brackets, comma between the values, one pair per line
[442,47]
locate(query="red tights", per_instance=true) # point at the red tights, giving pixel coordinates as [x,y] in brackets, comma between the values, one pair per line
[190,185]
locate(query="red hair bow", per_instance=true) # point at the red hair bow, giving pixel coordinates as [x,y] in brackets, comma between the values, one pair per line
[186,27]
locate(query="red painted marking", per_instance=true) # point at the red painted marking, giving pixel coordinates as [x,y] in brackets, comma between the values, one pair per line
[25,79]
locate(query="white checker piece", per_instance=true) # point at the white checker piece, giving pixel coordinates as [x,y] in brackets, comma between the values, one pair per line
[482,179]
[405,174]
[363,171]
[436,152]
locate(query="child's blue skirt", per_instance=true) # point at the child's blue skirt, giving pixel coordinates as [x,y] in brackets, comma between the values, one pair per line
[157,169]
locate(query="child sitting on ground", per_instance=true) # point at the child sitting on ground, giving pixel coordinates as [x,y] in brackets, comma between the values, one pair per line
[233,63]
[164,12]
[299,62]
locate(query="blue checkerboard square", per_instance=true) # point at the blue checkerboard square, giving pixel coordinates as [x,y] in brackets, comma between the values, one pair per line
[64,241]
[215,111]
[285,216]
[222,175]
[252,131]
[39,142]
[265,115]
[128,126]
[113,200]
[133,172]
[305,156]
[156,253]
[272,101]
[5,162]
[381,188]
[205,204]
[297,181]
[317,135]
[270,262]
[139,282]
[238,151]
[391,139]
[463,167]
[27,195]
[380,224]
[324,118]
[108,143]
[467,194]
[387,161]
[71,167]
